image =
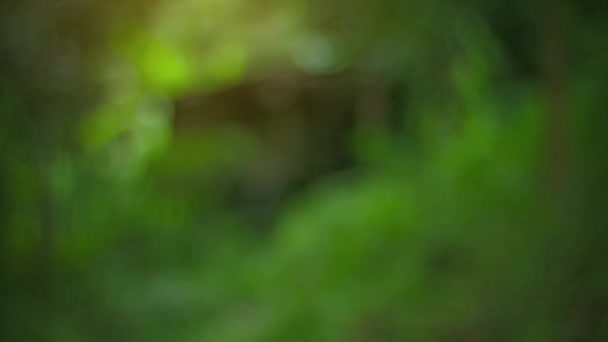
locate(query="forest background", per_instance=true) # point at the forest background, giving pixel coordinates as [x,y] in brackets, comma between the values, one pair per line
[470,204]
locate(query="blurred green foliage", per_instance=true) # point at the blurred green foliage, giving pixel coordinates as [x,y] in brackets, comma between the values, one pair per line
[476,214]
